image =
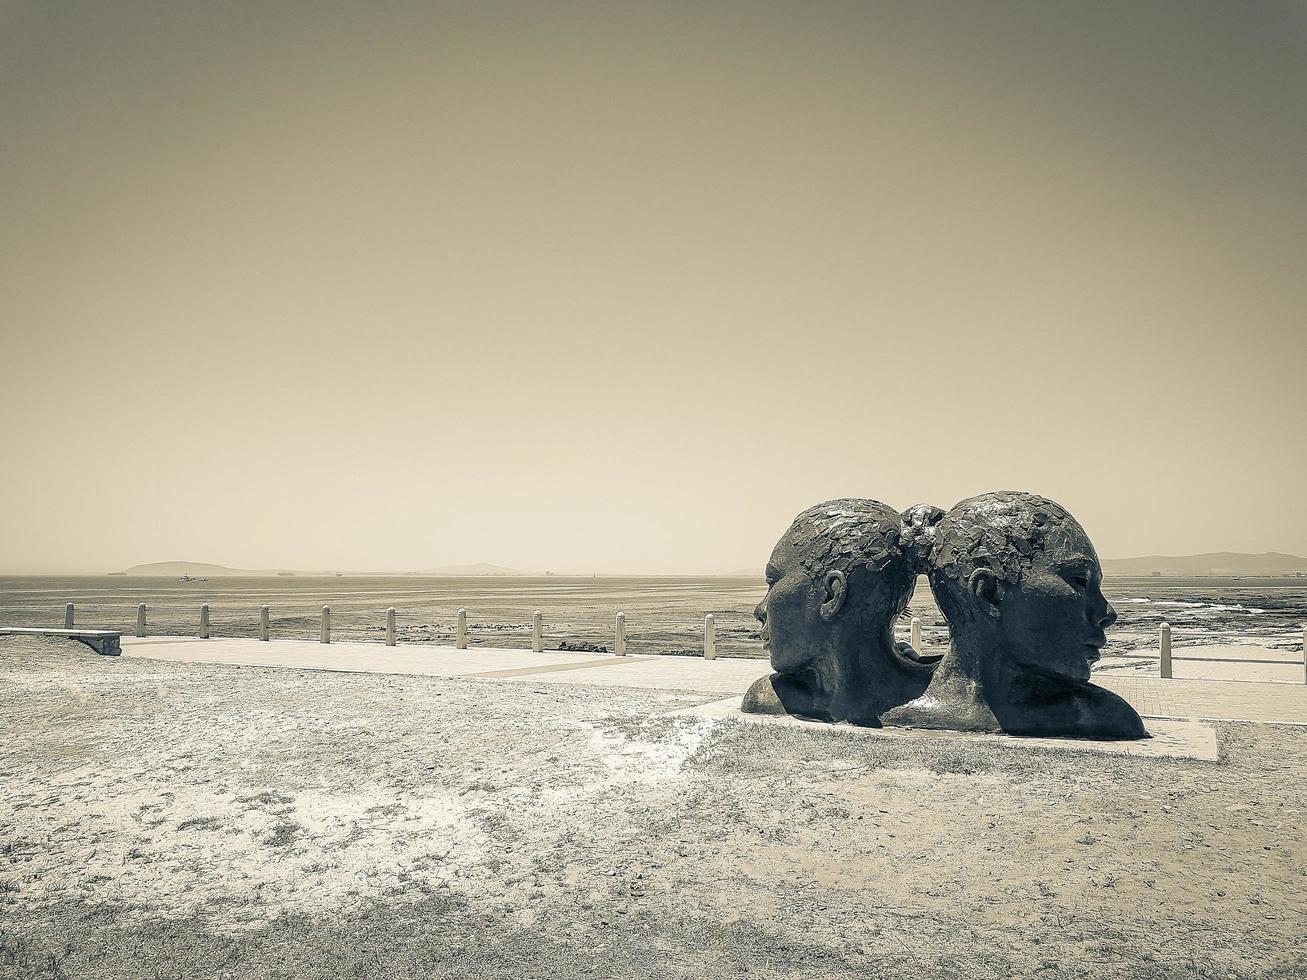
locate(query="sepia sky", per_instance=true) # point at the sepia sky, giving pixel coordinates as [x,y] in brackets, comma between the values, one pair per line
[623,287]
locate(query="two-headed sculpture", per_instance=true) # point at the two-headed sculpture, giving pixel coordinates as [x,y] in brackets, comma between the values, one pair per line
[1018,582]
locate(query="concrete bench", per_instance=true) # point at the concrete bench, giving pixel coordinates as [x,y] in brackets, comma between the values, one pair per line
[106,642]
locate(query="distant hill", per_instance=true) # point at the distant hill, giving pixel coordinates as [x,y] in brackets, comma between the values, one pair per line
[200,569]
[1213,563]
[478,568]
[196,569]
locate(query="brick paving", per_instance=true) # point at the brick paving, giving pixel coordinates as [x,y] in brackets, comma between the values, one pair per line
[1151,696]
[1215,700]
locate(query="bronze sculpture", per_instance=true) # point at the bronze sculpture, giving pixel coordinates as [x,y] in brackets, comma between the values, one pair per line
[1020,585]
[837,580]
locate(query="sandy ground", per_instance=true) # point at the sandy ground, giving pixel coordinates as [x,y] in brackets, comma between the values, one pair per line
[183,820]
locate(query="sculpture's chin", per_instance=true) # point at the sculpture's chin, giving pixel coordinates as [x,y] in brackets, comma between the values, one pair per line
[1078,671]
[787,665]
[1068,670]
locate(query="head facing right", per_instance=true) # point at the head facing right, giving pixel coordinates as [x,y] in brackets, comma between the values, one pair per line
[1016,576]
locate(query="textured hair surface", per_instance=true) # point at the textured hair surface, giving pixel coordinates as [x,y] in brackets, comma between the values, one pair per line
[862,538]
[847,534]
[918,526]
[1000,531]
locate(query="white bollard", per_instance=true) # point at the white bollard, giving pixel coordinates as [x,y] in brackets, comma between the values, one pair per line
[390,626]
[537,633]
[916,634]
[709,637]
[326,625]
[68,616]
[460,638]
[140,619]
[1164,646]
[619,637]
[263,622]
[204,621]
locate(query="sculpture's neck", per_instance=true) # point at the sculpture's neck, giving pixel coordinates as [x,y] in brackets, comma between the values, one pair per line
[860,678]
[980,661]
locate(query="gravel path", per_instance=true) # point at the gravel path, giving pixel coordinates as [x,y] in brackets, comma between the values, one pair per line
[180,820]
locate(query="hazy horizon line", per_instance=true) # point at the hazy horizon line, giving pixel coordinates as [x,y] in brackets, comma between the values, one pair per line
[453,570]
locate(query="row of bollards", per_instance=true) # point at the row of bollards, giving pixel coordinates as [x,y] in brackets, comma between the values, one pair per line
[619,646]
[460,635]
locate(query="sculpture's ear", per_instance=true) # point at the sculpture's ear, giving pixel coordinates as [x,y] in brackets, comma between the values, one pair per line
[984,585]
[834,589]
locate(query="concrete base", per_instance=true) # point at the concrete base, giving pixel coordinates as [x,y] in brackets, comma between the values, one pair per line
[108,646]
[1171,739]
[104,642]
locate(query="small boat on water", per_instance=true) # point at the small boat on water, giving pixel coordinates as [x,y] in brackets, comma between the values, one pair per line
[188,578]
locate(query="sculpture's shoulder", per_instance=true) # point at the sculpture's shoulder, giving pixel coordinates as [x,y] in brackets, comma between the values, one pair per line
[948,702]
[762,699]
[1105,714]
[1081,711]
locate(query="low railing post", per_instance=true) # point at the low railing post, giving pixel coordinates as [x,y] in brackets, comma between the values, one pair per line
[140,619]
[326,625]
[619,636]
[204,621]
[1164,648]
[916,634]
[709,637]
[68,616]
[537,633]
[460,637]
[390,626]
[263,622]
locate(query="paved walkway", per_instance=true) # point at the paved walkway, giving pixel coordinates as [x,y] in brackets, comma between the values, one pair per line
[1151,696]
[724,675]
[1183,697]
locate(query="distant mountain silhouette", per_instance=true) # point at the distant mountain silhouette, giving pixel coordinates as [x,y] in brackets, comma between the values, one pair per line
[197,569]
[1212,563]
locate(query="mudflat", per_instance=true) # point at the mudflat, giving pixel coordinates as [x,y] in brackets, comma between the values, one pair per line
[169,819]
[663,615]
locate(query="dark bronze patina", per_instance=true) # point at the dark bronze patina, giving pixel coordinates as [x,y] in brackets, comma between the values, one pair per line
[836,582]
[1021,587]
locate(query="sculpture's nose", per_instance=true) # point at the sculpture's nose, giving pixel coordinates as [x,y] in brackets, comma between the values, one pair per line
[760,613]
[1108,617]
